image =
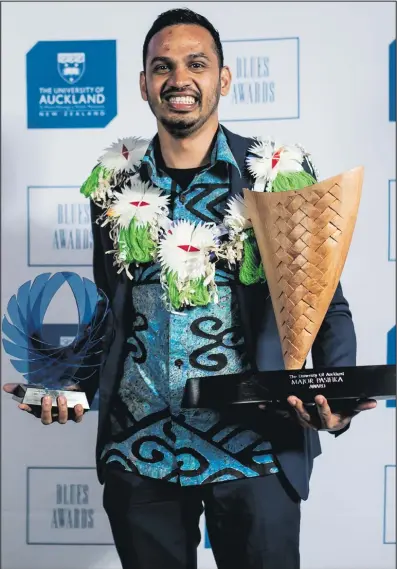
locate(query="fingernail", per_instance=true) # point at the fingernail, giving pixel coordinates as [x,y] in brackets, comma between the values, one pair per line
[320,400]
[293,402]
[47,400]
[62,400]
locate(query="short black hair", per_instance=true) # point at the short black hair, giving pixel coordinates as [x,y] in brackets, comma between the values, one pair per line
[182,16]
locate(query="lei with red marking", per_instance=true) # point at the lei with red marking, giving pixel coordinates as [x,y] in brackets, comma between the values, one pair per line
[141,231]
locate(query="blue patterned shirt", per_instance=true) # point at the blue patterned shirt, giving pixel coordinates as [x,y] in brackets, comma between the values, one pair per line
[151,434]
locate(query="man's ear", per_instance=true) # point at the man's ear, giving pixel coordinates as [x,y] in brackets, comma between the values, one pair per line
[226,80]
[142,85]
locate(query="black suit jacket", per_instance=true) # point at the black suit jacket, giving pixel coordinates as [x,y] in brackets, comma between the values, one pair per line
[295,448]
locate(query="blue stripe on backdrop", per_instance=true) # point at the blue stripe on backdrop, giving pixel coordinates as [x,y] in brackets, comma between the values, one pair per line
[391,357]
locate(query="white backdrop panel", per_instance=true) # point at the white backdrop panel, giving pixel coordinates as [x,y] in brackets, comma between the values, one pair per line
[320,77]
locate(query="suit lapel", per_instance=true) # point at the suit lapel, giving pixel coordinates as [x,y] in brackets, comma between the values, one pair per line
[238,146]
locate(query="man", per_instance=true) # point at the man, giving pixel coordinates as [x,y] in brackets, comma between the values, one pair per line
[161,465]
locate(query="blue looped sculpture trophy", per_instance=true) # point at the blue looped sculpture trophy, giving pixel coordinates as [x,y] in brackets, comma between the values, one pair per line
[47,369]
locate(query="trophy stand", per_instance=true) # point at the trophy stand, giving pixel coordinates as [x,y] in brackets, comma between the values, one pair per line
[303,237]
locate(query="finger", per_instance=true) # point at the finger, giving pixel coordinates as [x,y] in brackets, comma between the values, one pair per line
[300,413]
[10,387]
[62,410]
[78,413]
[302,422]
[263,407]
[324,411]
[299,408]
[46,408]
[366,405]
[25,407]
[73,387]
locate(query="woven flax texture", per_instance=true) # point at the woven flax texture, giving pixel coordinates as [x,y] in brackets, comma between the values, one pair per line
[304,237]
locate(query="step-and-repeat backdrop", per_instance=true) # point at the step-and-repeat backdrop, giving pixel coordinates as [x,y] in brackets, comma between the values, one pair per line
[322,74]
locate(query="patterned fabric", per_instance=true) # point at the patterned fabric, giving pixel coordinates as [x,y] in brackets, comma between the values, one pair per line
[151,434]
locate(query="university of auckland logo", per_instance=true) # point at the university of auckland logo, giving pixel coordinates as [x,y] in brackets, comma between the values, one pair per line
[71,66]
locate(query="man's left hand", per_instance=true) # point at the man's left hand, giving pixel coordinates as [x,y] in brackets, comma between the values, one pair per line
[326,420]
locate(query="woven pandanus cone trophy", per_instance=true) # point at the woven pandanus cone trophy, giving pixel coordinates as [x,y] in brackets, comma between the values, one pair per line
[303,238]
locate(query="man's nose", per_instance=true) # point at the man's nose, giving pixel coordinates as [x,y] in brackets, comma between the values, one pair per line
[180,78]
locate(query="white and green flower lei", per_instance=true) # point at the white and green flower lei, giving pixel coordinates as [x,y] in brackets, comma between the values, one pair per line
[137,215]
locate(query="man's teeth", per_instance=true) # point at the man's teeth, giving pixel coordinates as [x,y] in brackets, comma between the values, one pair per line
[183,100]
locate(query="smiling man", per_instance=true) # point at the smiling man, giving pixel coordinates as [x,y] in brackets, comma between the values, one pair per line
[185,104]
[180,311]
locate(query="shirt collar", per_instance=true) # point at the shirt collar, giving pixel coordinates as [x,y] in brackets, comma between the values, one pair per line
[220,153]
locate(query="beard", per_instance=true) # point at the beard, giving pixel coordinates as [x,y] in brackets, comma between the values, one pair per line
[183,127]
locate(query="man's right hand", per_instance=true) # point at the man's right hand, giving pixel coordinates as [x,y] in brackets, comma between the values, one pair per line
[49,414]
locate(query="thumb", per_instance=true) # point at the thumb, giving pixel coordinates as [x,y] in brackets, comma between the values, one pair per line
[73,387]
[10,387]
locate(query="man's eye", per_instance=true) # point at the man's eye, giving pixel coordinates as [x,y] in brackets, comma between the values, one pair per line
[161,68]
[197,65]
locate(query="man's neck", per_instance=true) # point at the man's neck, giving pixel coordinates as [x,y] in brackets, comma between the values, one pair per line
[191,152]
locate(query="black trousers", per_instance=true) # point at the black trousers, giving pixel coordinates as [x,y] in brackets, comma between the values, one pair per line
[252,523]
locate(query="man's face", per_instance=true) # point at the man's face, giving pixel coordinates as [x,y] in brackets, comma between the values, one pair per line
[183,81]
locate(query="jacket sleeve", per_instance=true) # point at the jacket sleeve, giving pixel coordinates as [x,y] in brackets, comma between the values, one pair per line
[336,344]
[88,375]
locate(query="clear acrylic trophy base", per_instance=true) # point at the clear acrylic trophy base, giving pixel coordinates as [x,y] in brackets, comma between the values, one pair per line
[33,395]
